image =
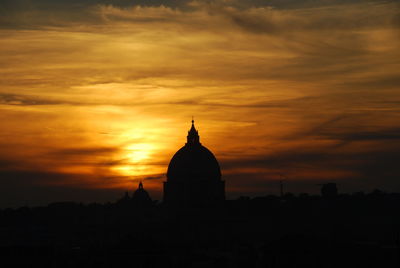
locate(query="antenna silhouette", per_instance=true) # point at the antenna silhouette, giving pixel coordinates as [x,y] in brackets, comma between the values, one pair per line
[281,184]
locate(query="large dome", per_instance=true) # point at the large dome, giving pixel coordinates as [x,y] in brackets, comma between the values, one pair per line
[193,176]
[193,162]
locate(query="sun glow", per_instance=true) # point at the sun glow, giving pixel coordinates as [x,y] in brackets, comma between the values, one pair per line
[140,152]
[137,159]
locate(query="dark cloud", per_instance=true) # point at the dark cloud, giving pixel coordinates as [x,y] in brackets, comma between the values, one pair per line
[383,81]
[155,177]
[84,151]
[356,159]
[343,129]
[25,100]
[98,159]
[366,170]
[254,24]
[269,184]
[7,163]
[31,14]
[292,4]
[51,4]
[384,135]
[95,157]
[32,188]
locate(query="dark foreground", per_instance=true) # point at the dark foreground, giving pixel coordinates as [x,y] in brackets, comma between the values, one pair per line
[305,231]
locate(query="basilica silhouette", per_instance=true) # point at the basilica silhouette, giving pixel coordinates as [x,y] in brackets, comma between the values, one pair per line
[193,176]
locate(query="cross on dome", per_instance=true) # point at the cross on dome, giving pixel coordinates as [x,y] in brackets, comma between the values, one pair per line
[193,135]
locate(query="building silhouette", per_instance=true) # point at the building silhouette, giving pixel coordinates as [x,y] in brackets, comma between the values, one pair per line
[194,175]
[329,190]
[139,198]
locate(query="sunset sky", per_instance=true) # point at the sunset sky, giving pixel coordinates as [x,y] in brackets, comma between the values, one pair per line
[97,95]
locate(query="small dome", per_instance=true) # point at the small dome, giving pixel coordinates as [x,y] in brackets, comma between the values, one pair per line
[141,195]
[193,161]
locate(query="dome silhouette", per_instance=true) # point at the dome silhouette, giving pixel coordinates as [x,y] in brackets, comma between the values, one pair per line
[141,196]
[194,162]
[193,175]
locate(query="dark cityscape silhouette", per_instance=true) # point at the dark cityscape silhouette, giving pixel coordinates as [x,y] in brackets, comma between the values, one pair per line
[194,226]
